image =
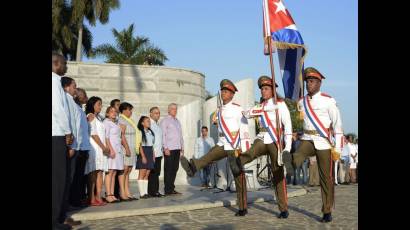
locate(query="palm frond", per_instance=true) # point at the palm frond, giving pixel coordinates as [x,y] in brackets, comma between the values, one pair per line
[131,50]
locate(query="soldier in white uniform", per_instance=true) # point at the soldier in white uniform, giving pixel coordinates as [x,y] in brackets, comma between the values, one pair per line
[266,141]
[233,138]
[319,111]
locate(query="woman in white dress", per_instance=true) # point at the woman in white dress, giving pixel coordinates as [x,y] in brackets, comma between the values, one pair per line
[97,160]
[116,158]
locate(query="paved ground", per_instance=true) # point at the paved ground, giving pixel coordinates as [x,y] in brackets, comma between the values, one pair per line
[192,198]
[304,214]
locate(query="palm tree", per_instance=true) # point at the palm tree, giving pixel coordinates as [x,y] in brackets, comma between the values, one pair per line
[64,37]
[93,11]
[60,32]
[130,50]
[297,122]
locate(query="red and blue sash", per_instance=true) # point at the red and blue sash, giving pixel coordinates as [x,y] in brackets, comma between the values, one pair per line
[267,124]
[320,128]
[233,140]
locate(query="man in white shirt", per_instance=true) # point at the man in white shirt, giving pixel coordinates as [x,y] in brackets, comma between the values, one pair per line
[61,138]
[69,87]
[202,145]
[344,164]
[153,178]
[82,146]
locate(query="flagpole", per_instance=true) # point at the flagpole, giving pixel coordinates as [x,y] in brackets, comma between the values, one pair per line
[275,98]
[302,94]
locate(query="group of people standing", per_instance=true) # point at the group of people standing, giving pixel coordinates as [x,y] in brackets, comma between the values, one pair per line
[322,138]
[345,168]
[92,149]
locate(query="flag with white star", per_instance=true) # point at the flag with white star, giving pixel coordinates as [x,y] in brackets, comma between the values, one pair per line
[280,27]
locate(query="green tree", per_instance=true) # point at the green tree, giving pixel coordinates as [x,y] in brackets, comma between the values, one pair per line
[64,31]
[297,123]
[130,50]
[92,11]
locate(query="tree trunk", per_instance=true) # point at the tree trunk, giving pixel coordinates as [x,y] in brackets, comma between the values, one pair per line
[79,42]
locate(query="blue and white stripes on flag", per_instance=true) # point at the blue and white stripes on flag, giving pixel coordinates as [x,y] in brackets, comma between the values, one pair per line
[279,25]
[291,69]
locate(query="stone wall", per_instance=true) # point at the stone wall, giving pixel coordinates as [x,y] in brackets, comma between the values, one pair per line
[148,86]
[145,87]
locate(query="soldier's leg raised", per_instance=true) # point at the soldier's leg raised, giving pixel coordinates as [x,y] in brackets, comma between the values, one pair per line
[257,149]
[324,162]
[279,181]
[215,153]
[237,163]
[305,149]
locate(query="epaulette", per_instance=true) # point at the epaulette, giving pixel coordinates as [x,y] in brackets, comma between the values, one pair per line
[233,103]
[326,95]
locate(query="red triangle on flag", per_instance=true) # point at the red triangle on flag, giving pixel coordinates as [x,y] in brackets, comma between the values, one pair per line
[279,16]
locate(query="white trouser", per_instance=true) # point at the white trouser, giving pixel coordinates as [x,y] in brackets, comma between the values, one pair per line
[336,166]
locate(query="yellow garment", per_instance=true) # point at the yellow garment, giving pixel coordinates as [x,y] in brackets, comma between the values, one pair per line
[214,117]
[335,154]
[138,134]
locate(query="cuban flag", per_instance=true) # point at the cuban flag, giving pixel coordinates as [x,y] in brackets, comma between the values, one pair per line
[280,27]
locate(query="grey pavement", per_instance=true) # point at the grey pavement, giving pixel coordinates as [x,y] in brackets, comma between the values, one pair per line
[192,198]
[304,214]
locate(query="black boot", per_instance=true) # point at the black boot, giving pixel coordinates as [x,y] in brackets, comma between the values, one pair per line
[189,167]
[283,215]
[327,217]
[241,212]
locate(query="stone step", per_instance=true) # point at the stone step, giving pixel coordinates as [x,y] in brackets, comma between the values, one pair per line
[191,199]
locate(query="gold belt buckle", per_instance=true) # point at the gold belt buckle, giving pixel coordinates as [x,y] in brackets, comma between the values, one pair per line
[232,134]
[311,132]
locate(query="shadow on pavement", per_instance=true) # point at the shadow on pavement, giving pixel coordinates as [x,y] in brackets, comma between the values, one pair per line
[234,210]
[265,209]
[219,226]
[168,227]
[293,208]
[304,212]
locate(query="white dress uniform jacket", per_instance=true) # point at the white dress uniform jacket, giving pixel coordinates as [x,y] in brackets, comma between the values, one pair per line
[284,117]
[235,121]
[326,110]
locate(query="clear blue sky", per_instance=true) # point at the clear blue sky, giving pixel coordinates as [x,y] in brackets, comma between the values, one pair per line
[223,39]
